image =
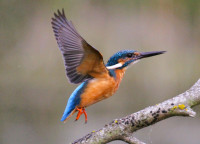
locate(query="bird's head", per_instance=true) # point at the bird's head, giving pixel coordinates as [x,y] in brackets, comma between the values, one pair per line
[124,58]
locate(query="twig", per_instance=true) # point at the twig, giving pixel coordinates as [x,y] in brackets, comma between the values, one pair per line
[123,128]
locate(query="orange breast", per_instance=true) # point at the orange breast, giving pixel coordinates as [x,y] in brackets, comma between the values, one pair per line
[101,88]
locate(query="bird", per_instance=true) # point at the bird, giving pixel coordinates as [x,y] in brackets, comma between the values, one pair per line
[84,65]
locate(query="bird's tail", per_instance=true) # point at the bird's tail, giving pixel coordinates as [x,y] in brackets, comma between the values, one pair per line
[69,110]
[65,120]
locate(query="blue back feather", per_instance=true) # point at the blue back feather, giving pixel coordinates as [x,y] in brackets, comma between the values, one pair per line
[74,100]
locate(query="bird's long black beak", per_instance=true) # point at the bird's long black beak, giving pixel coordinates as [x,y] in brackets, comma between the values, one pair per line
[149,54]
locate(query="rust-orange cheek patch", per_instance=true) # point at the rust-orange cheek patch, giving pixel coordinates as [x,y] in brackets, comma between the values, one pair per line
[122,61]
[137,53]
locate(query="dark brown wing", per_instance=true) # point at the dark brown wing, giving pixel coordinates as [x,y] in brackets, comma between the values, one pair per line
[82,61]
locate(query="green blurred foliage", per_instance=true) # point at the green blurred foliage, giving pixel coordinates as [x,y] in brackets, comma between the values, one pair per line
[33,87]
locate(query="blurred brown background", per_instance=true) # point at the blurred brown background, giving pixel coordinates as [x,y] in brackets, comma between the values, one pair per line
[33,86]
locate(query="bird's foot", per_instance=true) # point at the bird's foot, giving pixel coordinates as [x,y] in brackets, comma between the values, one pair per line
[80,112]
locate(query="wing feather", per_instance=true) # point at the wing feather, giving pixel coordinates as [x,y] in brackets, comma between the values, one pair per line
[81,60]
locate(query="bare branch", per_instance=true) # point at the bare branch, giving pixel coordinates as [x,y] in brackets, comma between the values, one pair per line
[123,128]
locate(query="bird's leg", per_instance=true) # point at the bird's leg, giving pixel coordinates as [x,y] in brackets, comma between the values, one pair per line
[85,115]
[80,112]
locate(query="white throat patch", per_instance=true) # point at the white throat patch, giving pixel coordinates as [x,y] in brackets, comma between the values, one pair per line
[115,66]
[135,62]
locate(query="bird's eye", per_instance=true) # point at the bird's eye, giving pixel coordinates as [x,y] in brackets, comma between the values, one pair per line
[129,55]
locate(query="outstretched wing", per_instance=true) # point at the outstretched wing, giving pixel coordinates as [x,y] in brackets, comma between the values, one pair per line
[82,61]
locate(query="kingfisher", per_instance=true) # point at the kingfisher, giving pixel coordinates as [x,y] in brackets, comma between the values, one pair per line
[84,65]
